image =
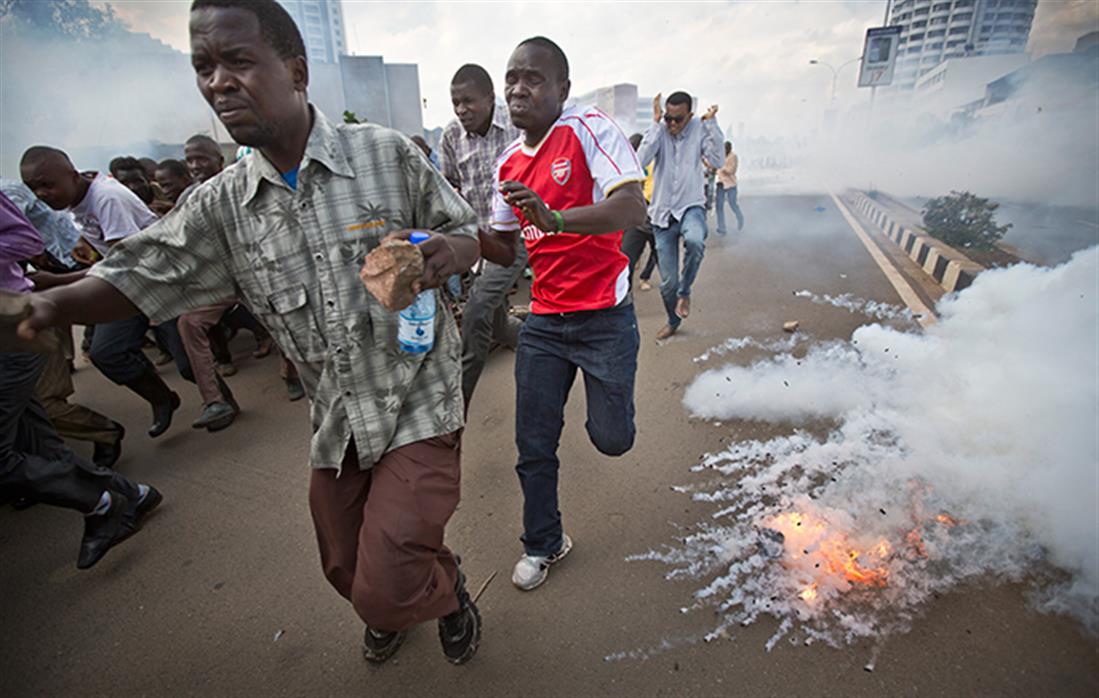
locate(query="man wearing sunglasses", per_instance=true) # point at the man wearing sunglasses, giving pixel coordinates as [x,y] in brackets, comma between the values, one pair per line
[676,143]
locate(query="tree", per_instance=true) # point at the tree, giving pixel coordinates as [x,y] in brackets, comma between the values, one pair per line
[61,19]
[963,220]
[350,118]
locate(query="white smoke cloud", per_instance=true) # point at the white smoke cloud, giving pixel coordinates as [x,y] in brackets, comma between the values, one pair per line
[967,451]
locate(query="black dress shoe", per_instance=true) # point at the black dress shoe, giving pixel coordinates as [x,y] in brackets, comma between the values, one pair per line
[102,531]
[106,455]
[136,511]
[162,414]
[23,503]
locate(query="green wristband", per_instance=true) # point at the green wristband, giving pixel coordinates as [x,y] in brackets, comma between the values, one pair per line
[560,221]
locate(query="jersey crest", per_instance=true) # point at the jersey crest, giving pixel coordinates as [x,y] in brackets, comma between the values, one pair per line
[561,170]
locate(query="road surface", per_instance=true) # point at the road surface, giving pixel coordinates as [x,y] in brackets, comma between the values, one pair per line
[222,593]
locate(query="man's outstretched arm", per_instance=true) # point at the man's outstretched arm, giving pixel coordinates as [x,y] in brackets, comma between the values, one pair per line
[88,301]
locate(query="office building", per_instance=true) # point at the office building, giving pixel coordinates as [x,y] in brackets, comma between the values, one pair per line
[959,81]
[937,30]
[321,25]
[618,101]
[383,93]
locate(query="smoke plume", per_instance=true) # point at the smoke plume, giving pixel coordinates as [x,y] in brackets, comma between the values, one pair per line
[918,461]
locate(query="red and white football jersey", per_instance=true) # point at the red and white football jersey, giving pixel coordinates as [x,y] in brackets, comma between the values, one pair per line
[582,159]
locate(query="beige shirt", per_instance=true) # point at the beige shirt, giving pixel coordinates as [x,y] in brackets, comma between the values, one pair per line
[294,257]
[726,174]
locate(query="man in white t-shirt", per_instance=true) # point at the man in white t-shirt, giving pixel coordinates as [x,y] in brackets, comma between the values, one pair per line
[106,212]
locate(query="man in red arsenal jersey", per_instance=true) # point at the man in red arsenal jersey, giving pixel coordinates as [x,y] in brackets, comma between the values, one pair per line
[569,185]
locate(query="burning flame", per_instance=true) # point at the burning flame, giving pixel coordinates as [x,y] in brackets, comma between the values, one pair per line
[829,558]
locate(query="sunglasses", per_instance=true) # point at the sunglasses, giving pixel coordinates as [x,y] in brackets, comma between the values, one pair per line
[668,118]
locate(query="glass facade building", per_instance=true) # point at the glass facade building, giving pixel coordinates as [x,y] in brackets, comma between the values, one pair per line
[937,30]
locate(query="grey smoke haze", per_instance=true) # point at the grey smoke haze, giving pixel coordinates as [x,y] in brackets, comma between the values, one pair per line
[94,99]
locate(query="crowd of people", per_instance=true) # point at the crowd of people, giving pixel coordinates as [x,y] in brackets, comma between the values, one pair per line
[182,254]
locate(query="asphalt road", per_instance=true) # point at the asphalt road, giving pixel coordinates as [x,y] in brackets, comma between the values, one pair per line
[222,593]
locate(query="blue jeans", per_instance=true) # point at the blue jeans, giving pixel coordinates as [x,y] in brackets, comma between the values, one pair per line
[601,343]
[729,194]
[673,285]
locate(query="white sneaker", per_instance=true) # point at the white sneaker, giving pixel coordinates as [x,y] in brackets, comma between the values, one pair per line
[532,570]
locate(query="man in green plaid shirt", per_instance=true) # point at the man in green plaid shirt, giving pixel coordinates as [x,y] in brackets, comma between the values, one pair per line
[286,230]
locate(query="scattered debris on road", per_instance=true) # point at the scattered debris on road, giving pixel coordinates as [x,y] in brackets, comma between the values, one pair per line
[791,326]
[484,586]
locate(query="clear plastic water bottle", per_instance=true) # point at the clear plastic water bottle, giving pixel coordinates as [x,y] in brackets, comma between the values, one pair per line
[416,326]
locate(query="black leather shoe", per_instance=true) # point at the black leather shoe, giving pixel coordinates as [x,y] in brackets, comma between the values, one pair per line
[101,532]
[136,511]
[379,646]
[106,455]
[160,397]
[23,503]
[162,414]
[460,632]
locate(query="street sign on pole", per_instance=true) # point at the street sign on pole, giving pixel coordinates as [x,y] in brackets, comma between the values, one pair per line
[879,56]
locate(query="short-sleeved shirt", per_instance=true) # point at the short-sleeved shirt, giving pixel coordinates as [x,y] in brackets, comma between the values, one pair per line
[18,241]
[110,212]
[293,256]
[582,159]
[57,229]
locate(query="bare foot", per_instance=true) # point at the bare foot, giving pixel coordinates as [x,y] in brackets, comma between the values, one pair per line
[683,308]
[665,332]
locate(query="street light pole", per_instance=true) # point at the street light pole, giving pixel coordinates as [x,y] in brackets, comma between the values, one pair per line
[835,72]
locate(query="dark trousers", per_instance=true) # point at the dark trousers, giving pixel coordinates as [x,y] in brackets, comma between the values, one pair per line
[601,343]
[116,349]
[380,532]
[34,461]
[634,241]
[486,315]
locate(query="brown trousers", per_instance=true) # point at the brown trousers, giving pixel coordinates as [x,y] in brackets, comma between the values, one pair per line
[380,532]
[69,419]
[193,329]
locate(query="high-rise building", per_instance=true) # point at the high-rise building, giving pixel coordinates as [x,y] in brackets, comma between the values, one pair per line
[321,25]
[618,101]
[937,30]
[383,93]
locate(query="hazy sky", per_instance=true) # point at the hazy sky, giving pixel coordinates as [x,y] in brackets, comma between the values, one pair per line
[751,57]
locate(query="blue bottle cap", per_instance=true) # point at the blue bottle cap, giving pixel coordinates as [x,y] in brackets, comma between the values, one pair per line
[417,237]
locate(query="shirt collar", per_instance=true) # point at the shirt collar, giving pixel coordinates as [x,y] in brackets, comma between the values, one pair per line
[323,147]
[500,120]
[500,116]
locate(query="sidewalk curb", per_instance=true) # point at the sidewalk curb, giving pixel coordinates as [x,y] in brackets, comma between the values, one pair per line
[950,269]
